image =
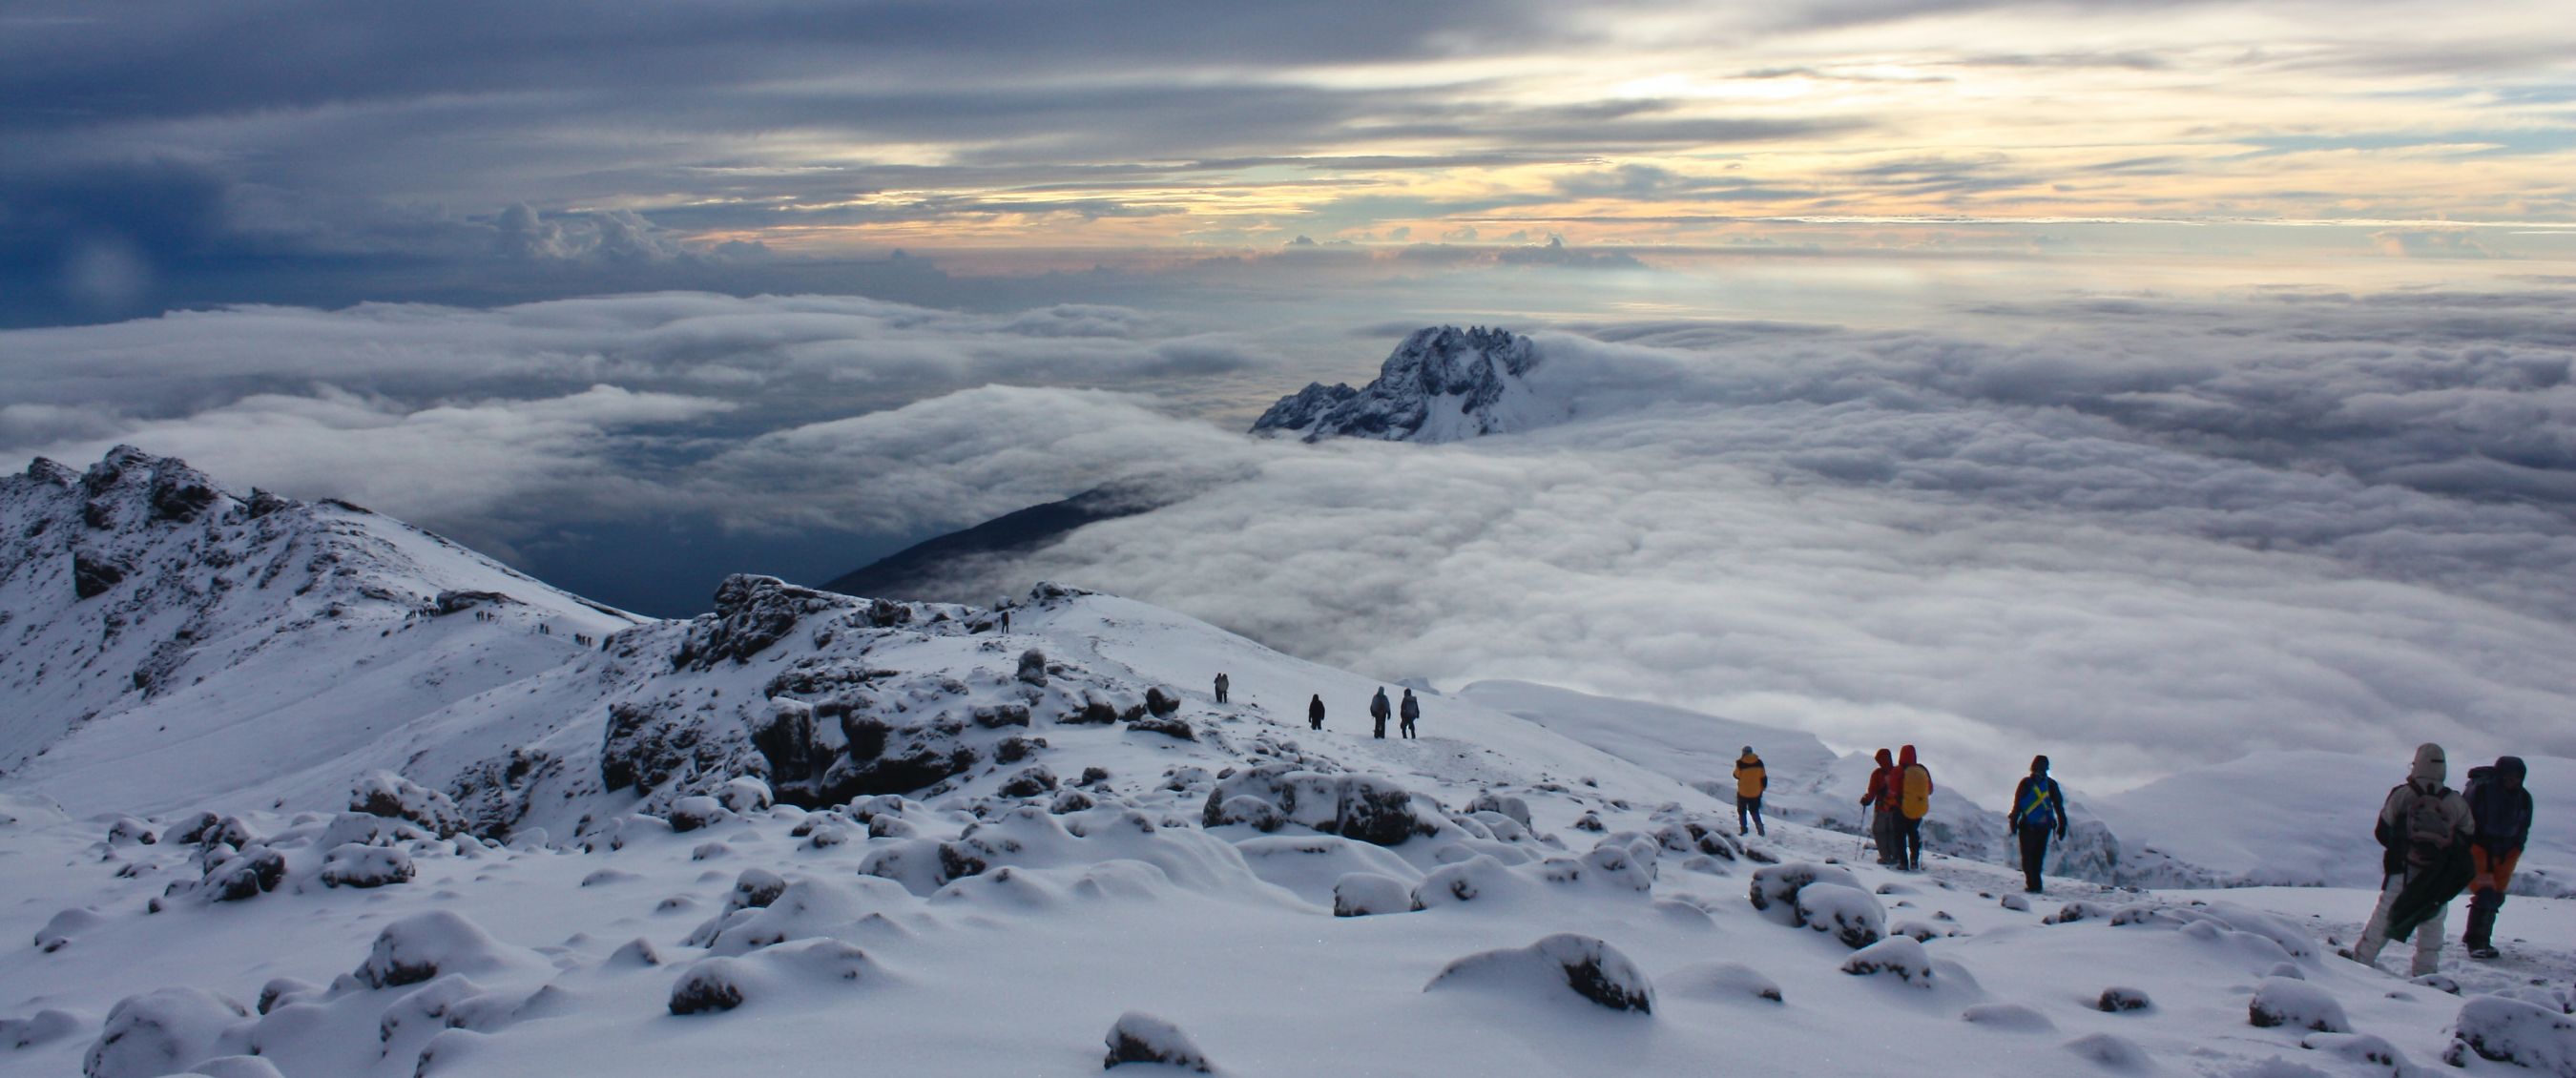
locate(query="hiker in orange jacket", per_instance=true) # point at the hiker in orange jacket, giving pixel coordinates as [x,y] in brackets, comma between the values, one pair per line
[1881,797]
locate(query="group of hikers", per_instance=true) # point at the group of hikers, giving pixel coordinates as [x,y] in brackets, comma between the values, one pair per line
[2435,841]
[1407,711]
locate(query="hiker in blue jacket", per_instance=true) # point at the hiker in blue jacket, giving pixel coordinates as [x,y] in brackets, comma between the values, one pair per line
[2038,808]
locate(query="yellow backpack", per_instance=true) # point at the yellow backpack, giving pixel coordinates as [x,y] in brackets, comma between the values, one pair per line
[1918,792]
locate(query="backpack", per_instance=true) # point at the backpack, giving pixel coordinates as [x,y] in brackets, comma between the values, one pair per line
[1918,792]
[2039,808]
[2427,829]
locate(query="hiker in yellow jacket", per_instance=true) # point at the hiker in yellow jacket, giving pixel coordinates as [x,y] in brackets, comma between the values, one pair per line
[1913,803]
[1749,784]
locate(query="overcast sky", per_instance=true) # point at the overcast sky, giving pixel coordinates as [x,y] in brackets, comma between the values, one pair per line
[2157,379]
[173,152]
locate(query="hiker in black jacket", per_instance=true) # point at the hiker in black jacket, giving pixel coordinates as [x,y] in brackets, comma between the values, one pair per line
[2038,808]
[1410,710]
[1379,711]
[2502,810]
[1315,712]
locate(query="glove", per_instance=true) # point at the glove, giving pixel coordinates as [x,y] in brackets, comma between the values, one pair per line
[2061,834]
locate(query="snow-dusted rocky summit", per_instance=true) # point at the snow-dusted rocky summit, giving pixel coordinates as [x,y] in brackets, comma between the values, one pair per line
[1441,385]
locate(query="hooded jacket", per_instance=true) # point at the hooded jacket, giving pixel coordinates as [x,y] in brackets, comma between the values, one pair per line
[1882,781]
[2423,821]
[1750,780]
[2500,806]
[1915,785]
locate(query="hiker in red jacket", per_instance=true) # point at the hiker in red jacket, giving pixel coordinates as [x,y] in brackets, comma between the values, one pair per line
[1881,797]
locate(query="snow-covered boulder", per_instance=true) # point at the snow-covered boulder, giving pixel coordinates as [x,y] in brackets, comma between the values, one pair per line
[66,926]
[2110,1051]
[425,945]
[1365,807]
[1143,1038]
[1583,965]
[2512,1031]
[1848,914]
[743,794]
[694,812]
[1479,879]
[361,866]
[161,1032]
[1775,889]
[1515,808]
[1897,957]
[786,971]
[2280,1001]
[1365,894]
[383,793]
[43,1027]
[2361,1048]
[2117,1000]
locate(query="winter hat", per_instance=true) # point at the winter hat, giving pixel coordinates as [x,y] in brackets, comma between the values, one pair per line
[2039,765]
[2510,767]
[1886,758]
[1748,750]
[2431,767]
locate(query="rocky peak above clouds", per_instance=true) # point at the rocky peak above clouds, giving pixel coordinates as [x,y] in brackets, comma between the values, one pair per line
[1442,384]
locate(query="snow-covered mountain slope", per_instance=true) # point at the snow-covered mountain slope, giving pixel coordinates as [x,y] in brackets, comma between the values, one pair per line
[808,829]
[169,641]
[1442,384]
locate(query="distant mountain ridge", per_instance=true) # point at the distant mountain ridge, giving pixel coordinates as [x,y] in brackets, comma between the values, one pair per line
[918,571]
[1442,384]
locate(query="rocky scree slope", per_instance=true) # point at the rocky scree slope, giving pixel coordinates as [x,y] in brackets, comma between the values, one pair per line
[164,639]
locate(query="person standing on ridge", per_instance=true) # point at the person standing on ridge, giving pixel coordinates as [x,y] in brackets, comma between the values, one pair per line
[1379,711]
[1315,713]
[2501,809]
[1406,712]
[2425,828]
[1881,800]
[1221,684]
[1913,802]
[2038,808]
[1750,781]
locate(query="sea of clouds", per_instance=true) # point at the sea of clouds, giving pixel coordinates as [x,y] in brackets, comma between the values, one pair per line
[2132,533]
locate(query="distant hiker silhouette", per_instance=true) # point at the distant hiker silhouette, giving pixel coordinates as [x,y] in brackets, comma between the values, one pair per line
[2038,808]
[1410,710]
[2424,830]
[1379,711]
[1221,684]
[1881,799]
[2502,810]
[1315,712]
[1913,802]
[1750,781]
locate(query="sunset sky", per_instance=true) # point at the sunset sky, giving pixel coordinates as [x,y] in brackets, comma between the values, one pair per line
[181,151]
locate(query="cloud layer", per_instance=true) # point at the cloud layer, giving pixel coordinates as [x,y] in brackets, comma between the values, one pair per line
[2134,532]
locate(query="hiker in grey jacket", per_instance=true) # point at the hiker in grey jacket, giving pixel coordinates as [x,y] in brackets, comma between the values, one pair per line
[1406,712]
[2425,828]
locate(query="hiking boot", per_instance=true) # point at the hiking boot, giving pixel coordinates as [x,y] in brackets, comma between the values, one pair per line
[2485,953]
